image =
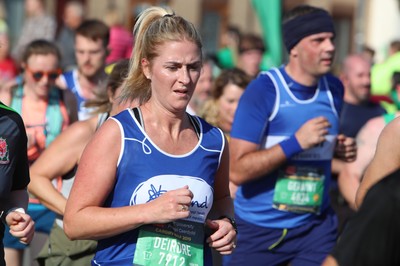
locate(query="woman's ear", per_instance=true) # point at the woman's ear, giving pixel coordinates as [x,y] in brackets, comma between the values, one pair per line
[146,68]
[110,95]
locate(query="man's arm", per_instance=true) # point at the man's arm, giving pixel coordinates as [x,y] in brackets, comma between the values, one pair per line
[249,163]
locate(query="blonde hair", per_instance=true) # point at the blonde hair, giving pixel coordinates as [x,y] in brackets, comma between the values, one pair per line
[154,27]
[210,111]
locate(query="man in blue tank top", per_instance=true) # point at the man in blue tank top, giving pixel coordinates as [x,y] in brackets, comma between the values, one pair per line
[85,82]
[284,136]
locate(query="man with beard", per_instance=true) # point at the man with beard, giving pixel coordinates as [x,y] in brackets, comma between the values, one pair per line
[356,111]
[91,41]
[357,107]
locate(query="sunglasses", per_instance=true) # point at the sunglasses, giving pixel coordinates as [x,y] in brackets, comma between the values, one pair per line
[38,75]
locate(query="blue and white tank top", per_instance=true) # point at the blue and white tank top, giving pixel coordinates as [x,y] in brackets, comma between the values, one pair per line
[256,201]
[71,79]
[144,172]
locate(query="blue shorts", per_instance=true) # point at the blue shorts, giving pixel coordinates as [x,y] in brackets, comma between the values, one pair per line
[305,245]
[44,219]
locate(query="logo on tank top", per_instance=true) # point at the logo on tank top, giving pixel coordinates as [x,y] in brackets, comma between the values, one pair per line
[4,159]
[156,186]
[287,104]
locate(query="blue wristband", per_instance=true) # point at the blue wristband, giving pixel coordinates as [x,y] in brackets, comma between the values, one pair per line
[290,146]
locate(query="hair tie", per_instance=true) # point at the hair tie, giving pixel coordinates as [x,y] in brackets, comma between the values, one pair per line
[169,15]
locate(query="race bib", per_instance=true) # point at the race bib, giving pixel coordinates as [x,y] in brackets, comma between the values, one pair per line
[180,242]
[299,189]
[177,243]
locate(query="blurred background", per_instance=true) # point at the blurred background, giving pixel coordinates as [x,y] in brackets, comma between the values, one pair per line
[359,23]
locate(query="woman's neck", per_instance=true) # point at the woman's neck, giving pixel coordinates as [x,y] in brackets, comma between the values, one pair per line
[159,117]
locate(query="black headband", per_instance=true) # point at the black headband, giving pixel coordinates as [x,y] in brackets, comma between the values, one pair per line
[302,26]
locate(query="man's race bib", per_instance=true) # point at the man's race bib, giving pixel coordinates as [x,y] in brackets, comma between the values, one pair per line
[177,244]
[299,189]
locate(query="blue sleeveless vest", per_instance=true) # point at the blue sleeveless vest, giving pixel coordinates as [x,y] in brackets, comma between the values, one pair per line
[254,200]
[73,85]
[144,172]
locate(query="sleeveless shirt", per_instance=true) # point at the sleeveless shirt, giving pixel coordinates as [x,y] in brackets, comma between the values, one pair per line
[144,172]
[254,201]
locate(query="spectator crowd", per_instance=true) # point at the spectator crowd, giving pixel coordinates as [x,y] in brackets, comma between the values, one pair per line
[142,148]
